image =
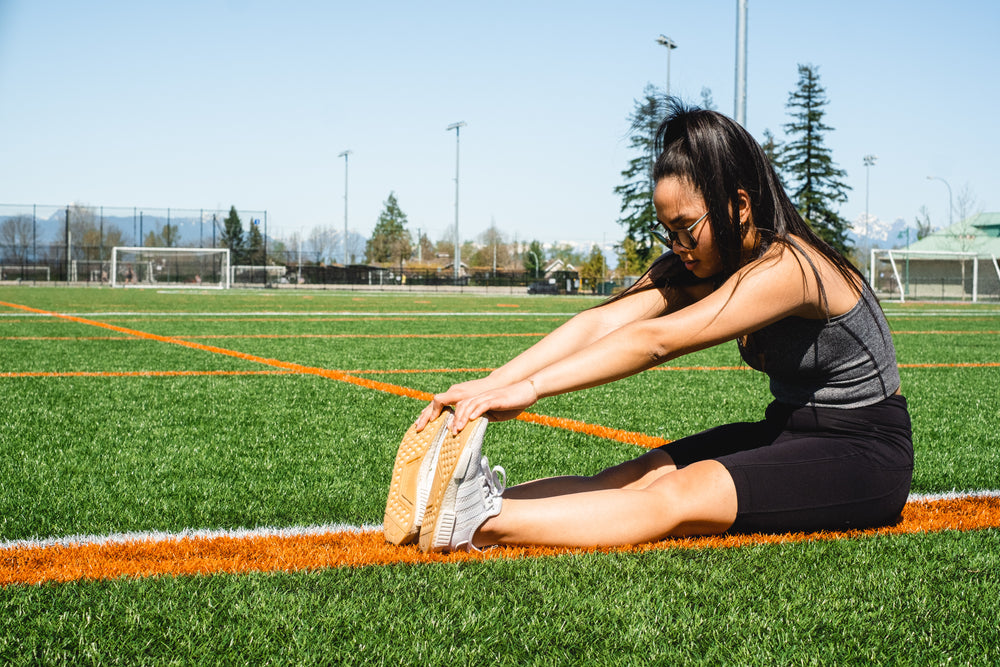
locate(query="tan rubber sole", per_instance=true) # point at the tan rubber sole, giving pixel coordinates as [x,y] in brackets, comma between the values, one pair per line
[401,523]
[451,452]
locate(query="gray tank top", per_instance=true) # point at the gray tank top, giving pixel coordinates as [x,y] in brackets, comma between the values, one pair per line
[848,361]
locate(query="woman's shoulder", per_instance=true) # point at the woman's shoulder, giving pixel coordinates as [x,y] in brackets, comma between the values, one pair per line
[827,290]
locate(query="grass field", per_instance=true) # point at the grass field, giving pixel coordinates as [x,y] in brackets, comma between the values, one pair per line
[191,478]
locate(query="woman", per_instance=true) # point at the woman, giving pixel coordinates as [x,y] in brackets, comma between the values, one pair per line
[834,449]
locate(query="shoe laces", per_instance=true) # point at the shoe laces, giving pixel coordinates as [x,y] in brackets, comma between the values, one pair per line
[494,479]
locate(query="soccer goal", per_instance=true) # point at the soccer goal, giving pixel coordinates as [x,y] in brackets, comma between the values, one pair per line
[170,267]
[935,275]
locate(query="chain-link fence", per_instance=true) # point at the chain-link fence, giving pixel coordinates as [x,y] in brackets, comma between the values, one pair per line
[73,244]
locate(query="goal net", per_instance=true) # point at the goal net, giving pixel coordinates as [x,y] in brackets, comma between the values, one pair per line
[935,275]
[170,267]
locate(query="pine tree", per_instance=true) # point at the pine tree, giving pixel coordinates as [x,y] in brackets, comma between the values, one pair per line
[255,245]
[817,182]
[232,237]
[638,214]
[534,259]
[773,150]
[390,241]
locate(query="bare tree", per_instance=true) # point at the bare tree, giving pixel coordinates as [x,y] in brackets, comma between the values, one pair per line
[966,204]
[15,239]
[321,242]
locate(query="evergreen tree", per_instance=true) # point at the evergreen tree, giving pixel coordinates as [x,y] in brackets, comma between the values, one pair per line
[534,259]
[817,182]
[232,237]
[773,150]
[592,270]
[390,241]
[255,246]
[629,261]
[638,214]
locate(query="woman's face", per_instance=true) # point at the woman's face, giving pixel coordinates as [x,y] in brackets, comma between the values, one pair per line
[678,206]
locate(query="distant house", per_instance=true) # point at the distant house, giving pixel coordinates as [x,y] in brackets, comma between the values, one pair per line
[563,274]
[958,262]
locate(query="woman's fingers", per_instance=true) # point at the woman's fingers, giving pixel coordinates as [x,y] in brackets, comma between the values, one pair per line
[429,413]
[508,401]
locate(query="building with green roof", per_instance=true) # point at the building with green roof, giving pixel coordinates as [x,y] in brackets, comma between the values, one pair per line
[959,262]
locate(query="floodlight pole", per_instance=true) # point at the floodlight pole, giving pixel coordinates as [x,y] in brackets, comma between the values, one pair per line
[670,45]
[869,161]
[344,155]
[458,247]
[740,112]
[951,220]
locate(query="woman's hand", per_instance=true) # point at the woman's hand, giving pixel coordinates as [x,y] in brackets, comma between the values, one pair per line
[453,395]
[497,404]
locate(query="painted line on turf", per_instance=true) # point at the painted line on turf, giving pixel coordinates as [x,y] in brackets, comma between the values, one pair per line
[108,374]
[437,335]
[628,437]
[312,313]
[321,547]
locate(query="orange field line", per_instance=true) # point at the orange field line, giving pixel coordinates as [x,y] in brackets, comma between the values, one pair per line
[101,374]
[397,390]
[33,565]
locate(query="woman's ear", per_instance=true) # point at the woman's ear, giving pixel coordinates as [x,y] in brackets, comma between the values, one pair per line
[746,217]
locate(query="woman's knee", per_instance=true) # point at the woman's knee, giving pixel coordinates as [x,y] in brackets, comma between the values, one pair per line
[637,473]
[700,499]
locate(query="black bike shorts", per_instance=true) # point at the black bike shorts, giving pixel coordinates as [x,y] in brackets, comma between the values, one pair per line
[806,468]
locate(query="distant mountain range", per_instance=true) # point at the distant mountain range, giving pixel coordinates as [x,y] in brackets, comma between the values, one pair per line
[192,230]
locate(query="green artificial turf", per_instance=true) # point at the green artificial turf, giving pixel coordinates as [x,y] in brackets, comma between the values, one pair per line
[104,454]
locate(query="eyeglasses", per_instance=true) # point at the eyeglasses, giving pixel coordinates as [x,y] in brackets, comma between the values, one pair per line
[681,237]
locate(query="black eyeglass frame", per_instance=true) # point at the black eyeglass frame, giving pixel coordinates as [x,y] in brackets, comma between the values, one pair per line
[671,237]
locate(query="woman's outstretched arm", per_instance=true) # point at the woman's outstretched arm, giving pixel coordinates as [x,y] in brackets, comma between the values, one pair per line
[761,293]
[579,332]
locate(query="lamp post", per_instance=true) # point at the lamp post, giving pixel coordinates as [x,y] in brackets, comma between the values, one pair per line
[869,161]
[670,45]
[458,248]
[740,103]
[951,221]
[344,155]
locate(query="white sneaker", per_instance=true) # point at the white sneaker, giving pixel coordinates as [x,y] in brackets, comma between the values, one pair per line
[466,492]
[412,475]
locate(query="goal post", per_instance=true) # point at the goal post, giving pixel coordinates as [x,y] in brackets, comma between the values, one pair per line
[204,268]
[937,275]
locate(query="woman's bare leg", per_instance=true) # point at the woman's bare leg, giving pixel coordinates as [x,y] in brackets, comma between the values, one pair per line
[636,473]
[699,499]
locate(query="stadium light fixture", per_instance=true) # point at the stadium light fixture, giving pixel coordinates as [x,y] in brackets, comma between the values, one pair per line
[670,45]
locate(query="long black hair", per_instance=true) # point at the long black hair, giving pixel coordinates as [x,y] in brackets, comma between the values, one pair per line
[719,158]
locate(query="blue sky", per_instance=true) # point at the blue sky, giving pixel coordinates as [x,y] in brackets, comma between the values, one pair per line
[220,102]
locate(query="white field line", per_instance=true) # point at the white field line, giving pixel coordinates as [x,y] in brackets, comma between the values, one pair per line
[187,533]
[300,531]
